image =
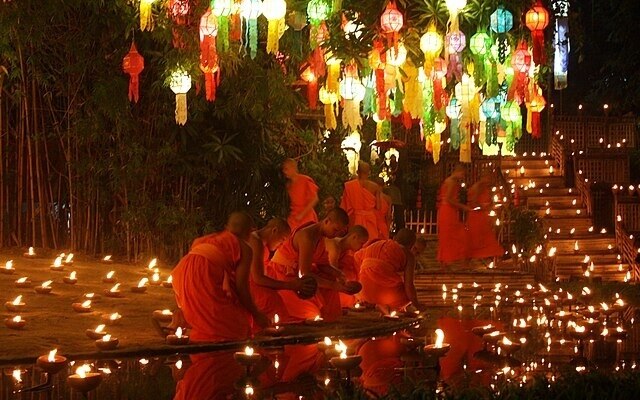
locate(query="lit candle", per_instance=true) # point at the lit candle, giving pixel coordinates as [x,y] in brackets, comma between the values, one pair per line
[107,343]
[392,315]
[155,279]
[107,259]
[71,279]
[168,283]
[45,288]
[69,259]
[114,291]
[179,338]
[84,380]
[16,305]
[141,287]
[163,315]
[16,322]
[91,296]
[57,264]
[152,265]
[110,277]
[551,171]
[8,268]
[23,282]
[30,253]
[97,333]
[83,307]
[111,319]
[52,363]
[522,170]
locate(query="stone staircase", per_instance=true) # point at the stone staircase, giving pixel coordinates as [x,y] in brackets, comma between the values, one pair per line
[570,230]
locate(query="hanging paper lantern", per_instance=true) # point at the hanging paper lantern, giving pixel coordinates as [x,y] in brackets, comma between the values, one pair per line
[454,112]
[317,12]
[146,16]
[312,87]
[455,42]
[501,20]
[208,54]
[178,10]
[561,43]
[397,57]
[480,43]
[274,11]
[537,19]
[250,10]
[222,10]
[491,110]
[431,43]
[133,64]
[521,59]
[454,7]
[439,74]
[330,101]
[352,92]
[180,84]
[534,107]
[510,113]
[391,21]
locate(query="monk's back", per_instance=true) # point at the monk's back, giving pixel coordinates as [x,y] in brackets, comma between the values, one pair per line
[226,242]
[388,251]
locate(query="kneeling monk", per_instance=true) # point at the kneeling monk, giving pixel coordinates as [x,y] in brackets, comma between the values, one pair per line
[264,290]
[339,253]
[297,256]
[386,272]
[211,284]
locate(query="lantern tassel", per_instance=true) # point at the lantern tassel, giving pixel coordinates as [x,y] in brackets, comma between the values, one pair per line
[539,55]
[223,33]
[312,94]
[134,93]
[273,35]
[146,17]
[210,85]
[181,108]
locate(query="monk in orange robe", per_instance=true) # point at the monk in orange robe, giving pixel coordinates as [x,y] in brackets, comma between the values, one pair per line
[452,233]
[299,257]
[483,242]
[211,284]
[264,290]
[360,200]
[386,273]
[339,254]
[383,211]
[303,195]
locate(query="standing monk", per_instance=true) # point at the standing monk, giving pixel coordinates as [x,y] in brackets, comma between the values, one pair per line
[264,289]
[360,200]
[303,195]
[297,256]
[383,212]
[386,273]
[211,284]
[483,242]
[452,234]
[339,253]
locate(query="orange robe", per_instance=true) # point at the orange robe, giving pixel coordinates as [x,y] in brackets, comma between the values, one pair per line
[452,234]
[284,266]
[381,216]
[382,266]
[347,265]
[212,376]
[360,204]
[381,364]
[204,286]
[483,243]
[267,300]
[301,193]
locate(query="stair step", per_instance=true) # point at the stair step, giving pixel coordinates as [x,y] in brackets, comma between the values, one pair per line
[540,183]
[581,223]
[529,173]
[577,235]
[547,192]
[563,201]
[532,162]
[598,258]
[561,212]
[566,246]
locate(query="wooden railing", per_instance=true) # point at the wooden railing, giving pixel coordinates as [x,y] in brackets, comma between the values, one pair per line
[627,223]
[557,152]
[609,166]
[582,132]
[421,222]
[583,185]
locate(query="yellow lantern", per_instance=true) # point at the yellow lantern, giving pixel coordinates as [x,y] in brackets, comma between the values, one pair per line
[274,11]
[351,146]
[180,84]
[330,101]
[397,56]
[146,17]
[431,43]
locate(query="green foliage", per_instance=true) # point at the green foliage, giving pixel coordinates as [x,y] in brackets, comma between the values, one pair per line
[527,230]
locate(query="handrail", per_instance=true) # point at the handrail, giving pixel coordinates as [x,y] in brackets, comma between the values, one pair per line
[583,185]
[558,152]
[624,240]
[585,131]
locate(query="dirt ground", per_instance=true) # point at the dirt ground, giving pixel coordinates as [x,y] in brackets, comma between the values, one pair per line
[51,321]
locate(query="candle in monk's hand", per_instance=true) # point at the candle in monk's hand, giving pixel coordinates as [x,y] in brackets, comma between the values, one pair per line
[57,264]
[16,322]
[8,268]
[45,288]
[71,279]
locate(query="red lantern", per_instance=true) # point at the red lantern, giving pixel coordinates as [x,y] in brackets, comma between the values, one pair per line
[391,21]
[178,10]
[537,19]
[521,62]
[208,54]
[133,64]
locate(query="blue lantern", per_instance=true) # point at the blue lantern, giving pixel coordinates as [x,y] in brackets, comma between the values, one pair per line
[501,20]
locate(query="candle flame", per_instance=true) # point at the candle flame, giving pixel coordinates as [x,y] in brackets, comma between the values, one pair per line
[58,262]
[439,338]
[444,287]
[580,328]
[107,258]
[605,332]
[166,312]
[17,300]
[82,371]
[115,288]
[17,375]
[46,284]
[69,258]
[31,252]
[327,341]
[317,318]
[170,279]
[155,277]
[506,341]
[247,350]
[22,280]
[89,295]
[99,328]
[179,364]
[106,338]
[8,264]
[52,355]
[604,306]
[620,303]
[17,318]
[110,274]
[143,282]
[357,305]
[276,319]
[152,263]
[586,291]
[575,246]
[523,323]
[179,332]
[86,304]
[115,316]
[72,275]
[393,314]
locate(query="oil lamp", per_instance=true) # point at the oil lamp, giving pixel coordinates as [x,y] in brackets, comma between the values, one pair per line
[84,380]
[83,308]
[178,338]
[52,363]
[8,268]
[141,287]
[23,282]
[71,279]
[107,343]
[110,277]
[97,333]
[57,264]
[44,288]
[16,305]
[16,322]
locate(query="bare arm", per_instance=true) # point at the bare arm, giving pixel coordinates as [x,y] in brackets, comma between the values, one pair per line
[409,286]
[242,282]
[257,268]
[451,198]
[306,245]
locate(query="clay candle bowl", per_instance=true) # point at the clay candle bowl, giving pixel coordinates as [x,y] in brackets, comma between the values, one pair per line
[314,321]
[16,305]
[393,316]
[107,260]
[276,329]
[579,332]
[590,312]
[439,348]
[114,292]
[482,330]
[155,279]
[84,307]
[84,381]
[111,319]
[97,333]
[493,337]
[358,308]
[110,277]
[141,287]
[57,265]
[564,316]
[247,357]
[522,328]
[168,283]
[178,339]
[52,363]
[508,346]
[345,362]
[91,296]
[45,288]
[71,279]
[107,343]
[327,343]
[15,323]
[8,268]
[68,260]
[163,315]
[30,253]
[23,282]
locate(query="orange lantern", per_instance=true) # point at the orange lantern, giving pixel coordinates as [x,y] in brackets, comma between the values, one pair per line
[391,21]
[537,19]
[133,64]
[521,62]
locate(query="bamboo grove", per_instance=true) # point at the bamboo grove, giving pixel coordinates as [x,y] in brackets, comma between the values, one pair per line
[82,168]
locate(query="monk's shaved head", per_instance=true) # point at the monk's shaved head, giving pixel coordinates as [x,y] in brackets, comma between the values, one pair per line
[280,225]
[364,168]
[360,231]
[339,216]
[289,167]
[240,224]
[290,162]
[405,237]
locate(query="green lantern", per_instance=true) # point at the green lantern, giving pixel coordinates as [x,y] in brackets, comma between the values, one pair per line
[318,11]
[480,43]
